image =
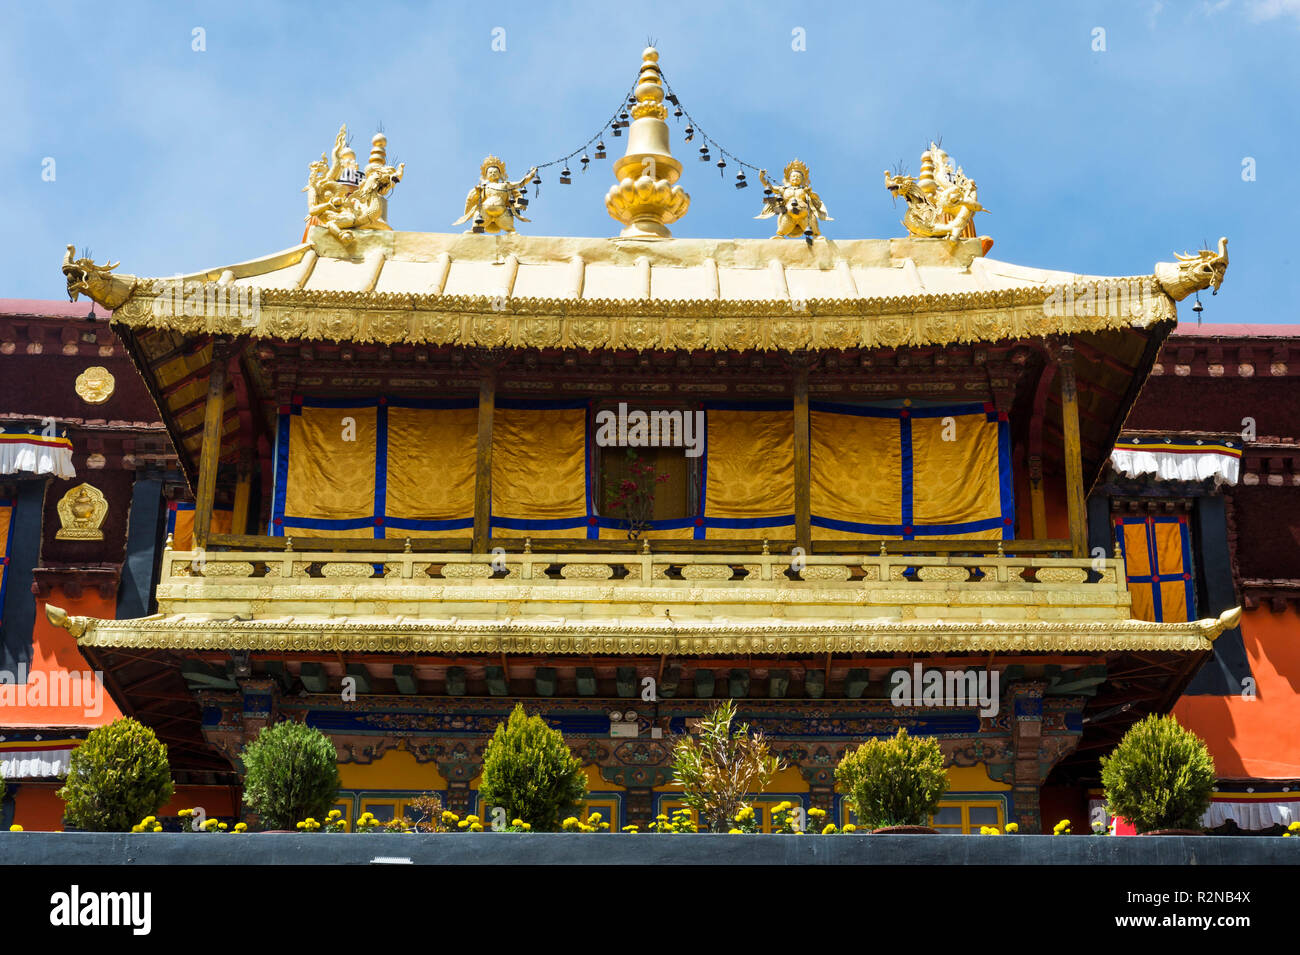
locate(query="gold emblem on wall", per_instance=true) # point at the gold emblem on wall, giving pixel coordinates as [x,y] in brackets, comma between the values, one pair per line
[82,511]
[95,385]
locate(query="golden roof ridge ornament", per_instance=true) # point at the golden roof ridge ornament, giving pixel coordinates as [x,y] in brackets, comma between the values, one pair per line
[794,203]
[496,202]
[343,198]
[647,198]
[942,202]
[1193,272]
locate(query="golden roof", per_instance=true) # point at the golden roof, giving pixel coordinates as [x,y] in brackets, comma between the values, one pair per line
[533,291]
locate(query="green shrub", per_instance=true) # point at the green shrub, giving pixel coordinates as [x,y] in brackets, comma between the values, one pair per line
[291,772]
[1160,776]
[894,782]
[116,777]
[530,772]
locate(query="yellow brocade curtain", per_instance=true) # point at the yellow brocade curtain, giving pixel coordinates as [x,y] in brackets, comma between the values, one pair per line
[1158,564]
[910,471]
[749,472]
[540,485]
[180,523]
[382,467]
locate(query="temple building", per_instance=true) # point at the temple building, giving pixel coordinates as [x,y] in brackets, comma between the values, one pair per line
[851,483]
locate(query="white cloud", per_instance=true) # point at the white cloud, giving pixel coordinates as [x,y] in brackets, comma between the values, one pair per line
[1261,10]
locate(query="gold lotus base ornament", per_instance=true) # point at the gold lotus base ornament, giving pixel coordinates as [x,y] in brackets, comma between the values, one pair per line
[95,385]
[81,512]
[646,197]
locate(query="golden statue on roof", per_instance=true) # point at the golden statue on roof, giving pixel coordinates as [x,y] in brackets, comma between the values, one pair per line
[793,202]
[941,203]
[494,203]
[343,197]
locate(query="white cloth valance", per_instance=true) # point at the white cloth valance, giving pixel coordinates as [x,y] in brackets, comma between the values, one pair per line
[36,454]
[1250,815]
[1168,461]
[34,764]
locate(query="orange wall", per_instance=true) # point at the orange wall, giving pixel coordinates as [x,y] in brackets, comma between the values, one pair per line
[54,649]
[1257,738]
[37,808]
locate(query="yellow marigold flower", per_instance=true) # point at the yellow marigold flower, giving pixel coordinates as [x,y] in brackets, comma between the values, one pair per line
[630,829]
[527,827]
[1294,827]
[818,813]
[241,827]
[734,832]
[830,830]
[15,828]
[136,828]
[850,828]
[185,812]
[593,818]
[516,822]
[604,825]
[463,824]
[661,817]
[157,827]
[476,827]
[1013,827]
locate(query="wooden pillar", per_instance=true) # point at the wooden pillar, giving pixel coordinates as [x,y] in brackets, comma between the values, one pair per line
[243,490]
[802,462]
[1037,499]
[1074,490]
[210,452]
[487,396]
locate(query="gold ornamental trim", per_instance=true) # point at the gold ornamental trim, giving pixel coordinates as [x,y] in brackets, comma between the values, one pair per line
[642,324]
[727,637]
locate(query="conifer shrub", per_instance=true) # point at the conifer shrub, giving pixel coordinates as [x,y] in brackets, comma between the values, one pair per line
[894,782]
[1160,776]
[116,777]
[530,772]
[291,774]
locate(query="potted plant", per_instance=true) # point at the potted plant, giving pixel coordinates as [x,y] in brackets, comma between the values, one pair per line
[1160,778]
[291,774]
[894,785]
[530,772]
[117,777]
[719,767]
[634,495]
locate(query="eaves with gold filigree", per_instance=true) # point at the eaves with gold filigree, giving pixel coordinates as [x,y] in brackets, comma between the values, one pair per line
[642,637]
[711,324]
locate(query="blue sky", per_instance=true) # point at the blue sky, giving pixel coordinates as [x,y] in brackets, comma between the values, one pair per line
[1101,162]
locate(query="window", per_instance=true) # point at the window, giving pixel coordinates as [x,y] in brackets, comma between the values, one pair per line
[961,815]
[615,428]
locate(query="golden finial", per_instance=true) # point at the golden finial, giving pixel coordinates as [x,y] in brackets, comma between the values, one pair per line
[168,544]
[766,551]
[1000,554]
[646,197]
[528,545]
[406,546]
[883,552]
[1119,551]
[645,546]
[288,544]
